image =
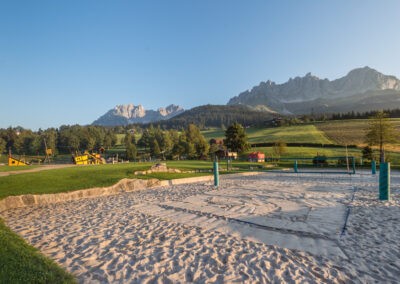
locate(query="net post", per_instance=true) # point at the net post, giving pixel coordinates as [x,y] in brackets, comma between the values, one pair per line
[353,164]
[295,167]
[384,181]
[216,174]
[373,167]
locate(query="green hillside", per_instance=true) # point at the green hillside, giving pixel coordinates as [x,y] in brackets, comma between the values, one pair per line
[348,131]
[288,134]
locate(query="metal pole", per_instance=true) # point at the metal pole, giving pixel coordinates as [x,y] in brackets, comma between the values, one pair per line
[295,166]
[373,167]
[216,174]
[384,181]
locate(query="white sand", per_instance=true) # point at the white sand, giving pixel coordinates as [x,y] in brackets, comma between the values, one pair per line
[193,233]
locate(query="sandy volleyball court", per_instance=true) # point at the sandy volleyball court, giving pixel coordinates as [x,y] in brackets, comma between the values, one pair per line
[269,227]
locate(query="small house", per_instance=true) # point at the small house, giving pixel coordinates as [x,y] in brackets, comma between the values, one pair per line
[256,157]
[232,155]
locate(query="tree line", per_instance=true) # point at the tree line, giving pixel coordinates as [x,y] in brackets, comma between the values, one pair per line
[63,140]
[154,142]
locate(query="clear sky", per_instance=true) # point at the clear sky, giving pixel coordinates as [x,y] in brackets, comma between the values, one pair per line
[67,62]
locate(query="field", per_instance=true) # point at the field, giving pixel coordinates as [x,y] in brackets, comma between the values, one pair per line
[350,132]
[288,134]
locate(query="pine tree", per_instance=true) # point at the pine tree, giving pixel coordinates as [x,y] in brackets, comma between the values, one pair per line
[236,138]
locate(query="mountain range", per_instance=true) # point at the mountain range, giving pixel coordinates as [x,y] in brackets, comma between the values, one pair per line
[129,114]
[362,89]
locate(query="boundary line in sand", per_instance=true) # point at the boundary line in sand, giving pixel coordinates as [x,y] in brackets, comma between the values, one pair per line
[348,211]
[251,224]
[124,185]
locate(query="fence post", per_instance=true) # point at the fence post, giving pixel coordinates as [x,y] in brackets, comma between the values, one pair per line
[384,181]
[373,167]
[216,174]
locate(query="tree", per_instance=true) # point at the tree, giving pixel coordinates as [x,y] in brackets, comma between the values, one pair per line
[130,138]
[367,153]
[380,132]
[2,145]
[197,146]
[236,138]
[155,148]
[145,140]
[279,148]
[131,151]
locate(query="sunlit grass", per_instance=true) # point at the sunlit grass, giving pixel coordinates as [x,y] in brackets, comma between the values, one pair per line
[22,263]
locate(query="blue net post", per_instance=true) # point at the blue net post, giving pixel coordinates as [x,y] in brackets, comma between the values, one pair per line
[216,174]
[373,167]
[353,165]
[295,167]
[384,181]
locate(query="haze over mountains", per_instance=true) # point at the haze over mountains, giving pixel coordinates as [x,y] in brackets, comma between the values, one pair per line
[362,89]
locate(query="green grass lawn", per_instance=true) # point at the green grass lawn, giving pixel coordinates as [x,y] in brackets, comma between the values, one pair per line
[82,177]
[309,152]
[288,134]
[22,263]
[67,179]
[213,133]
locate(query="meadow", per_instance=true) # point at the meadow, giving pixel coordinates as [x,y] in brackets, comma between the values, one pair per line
[289,134]
[350,132]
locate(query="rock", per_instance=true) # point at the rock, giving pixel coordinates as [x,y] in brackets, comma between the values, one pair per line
[126,114]
[160,167]
[303,95]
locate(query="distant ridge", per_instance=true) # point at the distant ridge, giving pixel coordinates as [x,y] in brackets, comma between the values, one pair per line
[218,116]
[362,89]
[130,114]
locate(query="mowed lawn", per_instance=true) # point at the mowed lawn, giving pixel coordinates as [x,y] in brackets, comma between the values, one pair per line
[67,179]
[288,134]
[82,177]
[309,152]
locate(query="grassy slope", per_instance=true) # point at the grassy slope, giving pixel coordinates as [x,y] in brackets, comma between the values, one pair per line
[21,263]
[348,131]
[288,134]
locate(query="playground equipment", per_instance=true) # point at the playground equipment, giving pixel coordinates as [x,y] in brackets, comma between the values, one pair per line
[48,153]
[88,159]
[14,162]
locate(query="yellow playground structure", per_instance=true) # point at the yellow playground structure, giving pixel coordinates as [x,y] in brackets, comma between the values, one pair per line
[88,159]
[14,162]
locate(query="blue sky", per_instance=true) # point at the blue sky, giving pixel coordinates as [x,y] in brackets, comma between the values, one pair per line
[67,62]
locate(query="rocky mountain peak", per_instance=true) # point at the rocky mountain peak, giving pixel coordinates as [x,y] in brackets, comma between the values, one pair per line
[282,98]
[130,113]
